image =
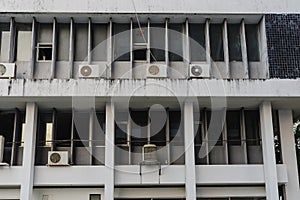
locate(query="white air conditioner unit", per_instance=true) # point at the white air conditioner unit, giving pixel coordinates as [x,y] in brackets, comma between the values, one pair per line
[156,71]
[199,70]
[149,153]
[7,70]
[88,71]
[58,158]
[2,139]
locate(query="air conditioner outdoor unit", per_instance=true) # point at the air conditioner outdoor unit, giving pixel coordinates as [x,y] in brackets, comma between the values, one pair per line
[149,153]
[199,70]
[58,158]
[7,70]
[88,71]
[1,148]
[156,71]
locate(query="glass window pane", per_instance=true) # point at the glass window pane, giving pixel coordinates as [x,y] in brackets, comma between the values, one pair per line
[234,42]
[121,42]
[81,42]
[252,42]
[175,42]
[63,42]
[157,42]
[252,127]
[99,42]
[197,42]
[233,127]
[216,42]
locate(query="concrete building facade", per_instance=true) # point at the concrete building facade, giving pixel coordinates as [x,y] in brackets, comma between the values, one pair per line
[149,100]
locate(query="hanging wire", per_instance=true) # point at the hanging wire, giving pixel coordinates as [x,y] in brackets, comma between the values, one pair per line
[140,28]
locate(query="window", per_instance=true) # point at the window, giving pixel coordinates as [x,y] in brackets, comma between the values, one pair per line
[146,127]
[99,42]
[67,131]
[233,127]
[23,43]
[63,42]
[95,196]
[197,42]
[252,127]
[140,53]
[121,42]
[4,42]
[216,42]
[157,42]
[45,129]
[81,42]
[44,42]
[176,128]
[252,42]
[234,42]
[11,130]
[175,42]
[139,129]
[44,52]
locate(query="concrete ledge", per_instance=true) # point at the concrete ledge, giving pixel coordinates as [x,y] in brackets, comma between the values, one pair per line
[150,6]
[150,87]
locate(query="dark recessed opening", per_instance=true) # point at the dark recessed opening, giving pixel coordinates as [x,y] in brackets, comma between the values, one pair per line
[140,54]
[45,52]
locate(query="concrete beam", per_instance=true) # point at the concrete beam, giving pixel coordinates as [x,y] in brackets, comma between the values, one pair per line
[270,171]
[109,152]
[29,151]
[289,153]
[190,171]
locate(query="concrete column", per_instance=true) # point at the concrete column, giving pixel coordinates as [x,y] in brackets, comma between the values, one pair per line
[289,153]
[267,134]
[190,172]
[29,152]
[109,152]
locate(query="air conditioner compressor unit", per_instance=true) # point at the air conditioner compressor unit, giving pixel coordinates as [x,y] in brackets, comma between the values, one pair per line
[58,158]
[7,70]
[199,70]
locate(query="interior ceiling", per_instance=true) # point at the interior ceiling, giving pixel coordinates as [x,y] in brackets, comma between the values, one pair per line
[63,103]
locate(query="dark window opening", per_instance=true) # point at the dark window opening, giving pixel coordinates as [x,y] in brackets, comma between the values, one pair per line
[176,128]
[233,127]
[216,42]
[213,129]
[44,52]
[121,42]
[95,196]
[63,129]
[252,127]
[277,141]
[157,128]
[7,130]
[175,42]
[252,42]
[234,42]
[99,42]
[81,42]
[197,42]
[81,131]
[140,54]
[63,42]
[139,127]
[157,42]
